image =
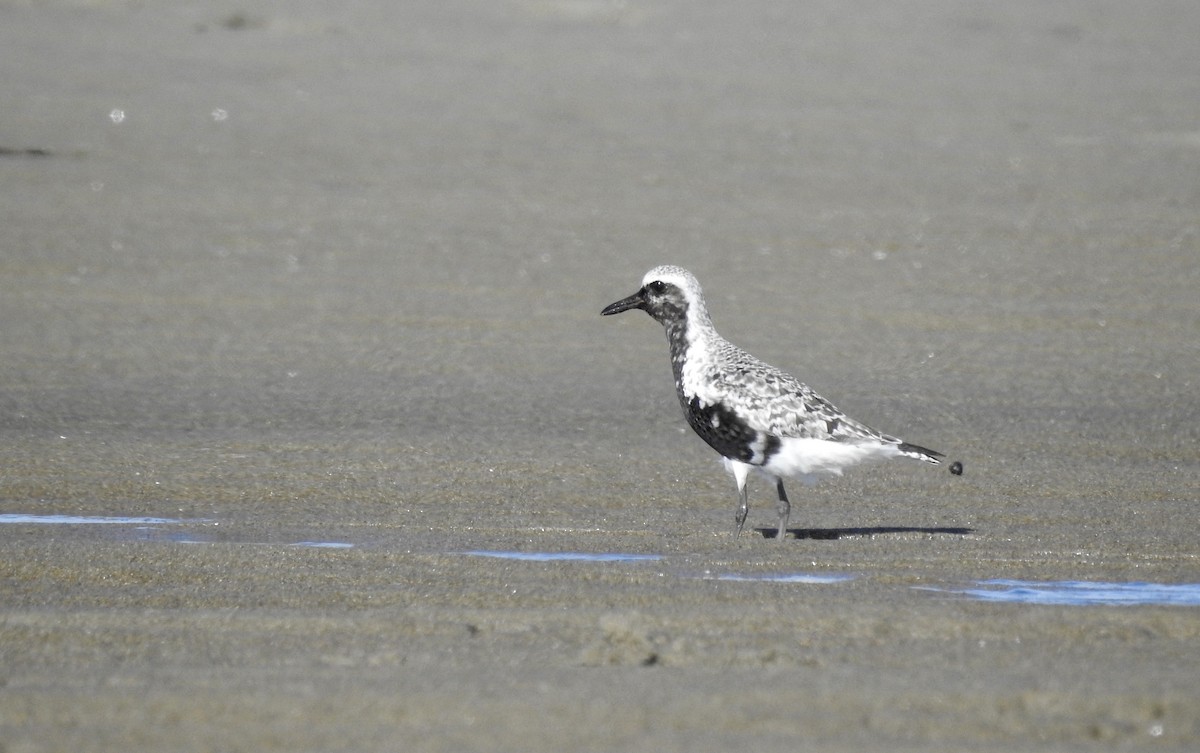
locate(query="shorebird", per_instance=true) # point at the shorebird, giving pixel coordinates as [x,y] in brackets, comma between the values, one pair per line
[756,416]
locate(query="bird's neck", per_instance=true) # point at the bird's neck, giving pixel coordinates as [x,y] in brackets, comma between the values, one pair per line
[686,336]
[677,338]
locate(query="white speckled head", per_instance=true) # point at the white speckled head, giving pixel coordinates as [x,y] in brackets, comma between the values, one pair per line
[677,276]
[673,297]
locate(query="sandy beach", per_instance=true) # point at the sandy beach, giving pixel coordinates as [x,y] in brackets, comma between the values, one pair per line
[312,437]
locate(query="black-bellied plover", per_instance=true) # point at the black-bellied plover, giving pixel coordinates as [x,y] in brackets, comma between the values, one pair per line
[756,416]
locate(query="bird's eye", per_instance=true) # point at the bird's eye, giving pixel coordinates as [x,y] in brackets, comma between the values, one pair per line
[657,286]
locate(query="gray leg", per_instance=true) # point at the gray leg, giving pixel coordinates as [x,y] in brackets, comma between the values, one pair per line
[740,472]
[784,508]
[742,511]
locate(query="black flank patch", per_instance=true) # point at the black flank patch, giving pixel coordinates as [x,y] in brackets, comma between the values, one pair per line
[731,436]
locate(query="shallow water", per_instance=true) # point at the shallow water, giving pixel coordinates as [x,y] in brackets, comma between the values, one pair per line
[998,590]
[23,519]
[808,578]
[1083,593]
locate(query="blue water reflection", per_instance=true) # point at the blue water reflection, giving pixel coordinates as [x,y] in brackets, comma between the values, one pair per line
[807,578]
[1083,593]
[20,518]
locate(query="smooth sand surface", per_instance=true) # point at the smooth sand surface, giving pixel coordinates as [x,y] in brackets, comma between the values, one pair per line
[318,285]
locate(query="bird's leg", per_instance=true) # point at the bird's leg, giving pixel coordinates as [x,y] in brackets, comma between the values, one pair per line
[743,508]
[783,507]
[740,472]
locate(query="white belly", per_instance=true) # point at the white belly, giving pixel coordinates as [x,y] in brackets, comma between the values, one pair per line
[810,457]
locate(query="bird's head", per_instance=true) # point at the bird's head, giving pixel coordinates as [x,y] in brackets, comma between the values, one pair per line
[669,294]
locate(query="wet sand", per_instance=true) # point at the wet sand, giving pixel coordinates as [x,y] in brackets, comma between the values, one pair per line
[319,288]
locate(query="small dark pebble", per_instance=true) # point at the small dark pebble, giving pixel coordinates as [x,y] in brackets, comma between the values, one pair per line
[956,468]
[10,152]
[239,21]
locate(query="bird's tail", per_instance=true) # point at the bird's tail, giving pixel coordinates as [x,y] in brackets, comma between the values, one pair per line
[920,453]
[929,456]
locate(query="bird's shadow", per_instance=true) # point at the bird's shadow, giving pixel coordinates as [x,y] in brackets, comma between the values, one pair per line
[832,534]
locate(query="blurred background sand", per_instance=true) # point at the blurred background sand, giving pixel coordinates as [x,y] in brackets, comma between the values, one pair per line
[291,272]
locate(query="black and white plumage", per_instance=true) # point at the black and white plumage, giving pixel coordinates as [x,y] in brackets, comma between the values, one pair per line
[756,416]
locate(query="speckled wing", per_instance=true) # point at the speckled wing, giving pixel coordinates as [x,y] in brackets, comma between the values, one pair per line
[777,403]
